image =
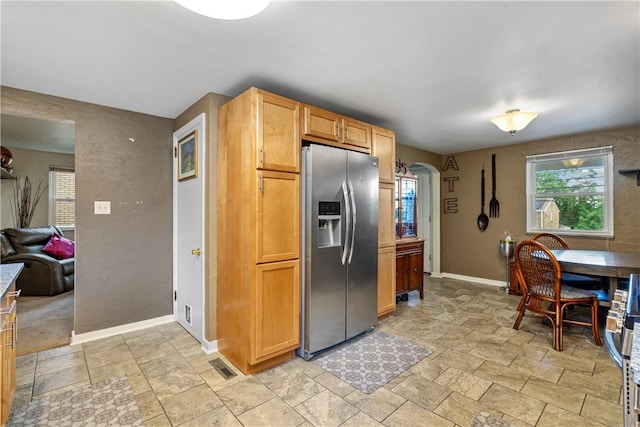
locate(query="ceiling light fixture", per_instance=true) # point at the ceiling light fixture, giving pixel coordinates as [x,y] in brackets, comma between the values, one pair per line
[514,120]
[225,9]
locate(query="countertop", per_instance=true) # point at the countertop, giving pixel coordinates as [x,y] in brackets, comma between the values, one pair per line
[9,273]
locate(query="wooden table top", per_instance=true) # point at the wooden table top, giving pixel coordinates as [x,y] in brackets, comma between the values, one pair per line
[599,263]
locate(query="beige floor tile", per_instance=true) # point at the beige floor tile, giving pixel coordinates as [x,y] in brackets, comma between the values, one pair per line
[591,385]
[104,344]
[126,367]
[462,344]
[60,378]
[606,412]
[493,353]
[462,410]
[148,405]
[522,407]
[273,412]
[138,383]
[429,369]
[412,415]
[502,375]
[174,382]
[64,361]
[361,420]
[245,395]
[378,405]
[335,384]
[291,386]
[464,383]
[459,360]
[118,353]
[326,409]
[425,393]
[572,363]
[159,421]
[540,369]
[59,351]
[164,365]
[217,382]
[221,417]
[554,417]
[556,394]
[190,404]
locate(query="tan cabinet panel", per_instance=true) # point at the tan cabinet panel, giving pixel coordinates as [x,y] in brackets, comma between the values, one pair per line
[386,280]
[278,216]
[386,219]
[278,141]
[277,317]
[8,353]
[384,148]
[321,124]
[356,133]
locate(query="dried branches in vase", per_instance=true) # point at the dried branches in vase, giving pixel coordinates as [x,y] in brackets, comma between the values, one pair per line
[25,201]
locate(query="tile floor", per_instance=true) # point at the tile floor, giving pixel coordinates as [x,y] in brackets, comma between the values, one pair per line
[479,363]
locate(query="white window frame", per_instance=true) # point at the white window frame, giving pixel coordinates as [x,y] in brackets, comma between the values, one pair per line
[52,196]
[606,153]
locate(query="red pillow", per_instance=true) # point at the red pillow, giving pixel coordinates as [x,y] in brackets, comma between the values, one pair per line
[60,247]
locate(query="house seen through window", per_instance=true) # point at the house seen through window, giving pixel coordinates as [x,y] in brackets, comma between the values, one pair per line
[571,192]
[62,197]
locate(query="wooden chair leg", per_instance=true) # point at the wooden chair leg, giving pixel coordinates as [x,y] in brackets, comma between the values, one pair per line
[594,323]
[521,309]
[557,328]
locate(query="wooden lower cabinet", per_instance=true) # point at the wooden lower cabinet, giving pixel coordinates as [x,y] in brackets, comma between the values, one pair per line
[386,280]
[8,353]
[277,302]
[409,266]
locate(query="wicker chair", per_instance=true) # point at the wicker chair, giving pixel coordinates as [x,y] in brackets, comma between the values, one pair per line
[544,295]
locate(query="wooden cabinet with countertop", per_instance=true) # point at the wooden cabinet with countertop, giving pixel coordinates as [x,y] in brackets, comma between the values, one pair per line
[258,238]
[409,266]
[8,321]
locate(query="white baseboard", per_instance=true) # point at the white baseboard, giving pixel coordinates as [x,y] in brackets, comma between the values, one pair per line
[209,347]
[480,280]
[117,330]
[436,274]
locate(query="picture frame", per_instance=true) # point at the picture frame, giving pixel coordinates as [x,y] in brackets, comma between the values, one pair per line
[188,156]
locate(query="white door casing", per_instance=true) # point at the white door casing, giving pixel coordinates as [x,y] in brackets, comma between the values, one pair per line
[188,234]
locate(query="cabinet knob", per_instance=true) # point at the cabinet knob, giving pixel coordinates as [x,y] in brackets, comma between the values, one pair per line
[415,269]
[397,274]
[195,251]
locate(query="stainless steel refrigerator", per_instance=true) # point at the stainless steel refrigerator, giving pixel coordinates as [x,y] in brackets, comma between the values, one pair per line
[339,246]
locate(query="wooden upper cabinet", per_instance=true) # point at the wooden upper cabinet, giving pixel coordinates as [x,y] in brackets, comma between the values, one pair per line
[278,133]
[321,124]
[277,216]
[324,126]
[384,148]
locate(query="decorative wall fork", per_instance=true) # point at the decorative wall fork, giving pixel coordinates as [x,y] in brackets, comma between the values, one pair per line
[494,205]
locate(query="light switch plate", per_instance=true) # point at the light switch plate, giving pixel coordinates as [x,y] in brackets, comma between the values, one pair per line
[102,207]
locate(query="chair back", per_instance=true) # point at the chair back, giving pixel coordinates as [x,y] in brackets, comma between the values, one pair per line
[538,270]
[551,241]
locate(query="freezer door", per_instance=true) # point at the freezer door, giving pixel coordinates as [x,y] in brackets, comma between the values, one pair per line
[325,275]
[362,272]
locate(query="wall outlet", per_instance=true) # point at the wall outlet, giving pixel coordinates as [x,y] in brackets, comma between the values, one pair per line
[102,207]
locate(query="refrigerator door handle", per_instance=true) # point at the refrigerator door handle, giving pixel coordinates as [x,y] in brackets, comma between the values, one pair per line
[353,224]
[348,225]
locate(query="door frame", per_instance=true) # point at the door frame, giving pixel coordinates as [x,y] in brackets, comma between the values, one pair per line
[198,123]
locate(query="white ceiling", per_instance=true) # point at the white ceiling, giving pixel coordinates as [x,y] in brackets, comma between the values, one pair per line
[435,72]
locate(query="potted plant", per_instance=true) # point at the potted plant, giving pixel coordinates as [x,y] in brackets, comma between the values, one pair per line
[25,201]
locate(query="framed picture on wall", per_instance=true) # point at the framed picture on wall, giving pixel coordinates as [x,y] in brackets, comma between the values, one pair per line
[188,156]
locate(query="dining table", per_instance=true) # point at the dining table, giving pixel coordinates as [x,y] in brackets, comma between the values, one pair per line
[610,265]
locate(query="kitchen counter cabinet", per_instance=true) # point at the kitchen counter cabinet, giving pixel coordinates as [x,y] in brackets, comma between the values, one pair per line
[8,321]
[409,266]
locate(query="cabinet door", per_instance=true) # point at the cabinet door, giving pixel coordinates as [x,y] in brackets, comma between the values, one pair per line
[277,305]
[321,124]
[386,280]
[356,133]
[384,148]
[277,216]
[401,273]
[386,221]
[415,268]
[278,133]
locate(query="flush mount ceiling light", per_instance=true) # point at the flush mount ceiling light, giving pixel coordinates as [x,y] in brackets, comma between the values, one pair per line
[514,120]
[225,9]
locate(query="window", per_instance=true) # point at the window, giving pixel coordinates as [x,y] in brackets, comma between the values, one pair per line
[62,197]
[406,205]
[571,192]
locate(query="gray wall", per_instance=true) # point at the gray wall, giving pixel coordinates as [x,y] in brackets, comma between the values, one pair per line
[124,260]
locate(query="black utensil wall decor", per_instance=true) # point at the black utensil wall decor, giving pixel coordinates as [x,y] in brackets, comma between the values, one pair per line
[494,205]
[483,219]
